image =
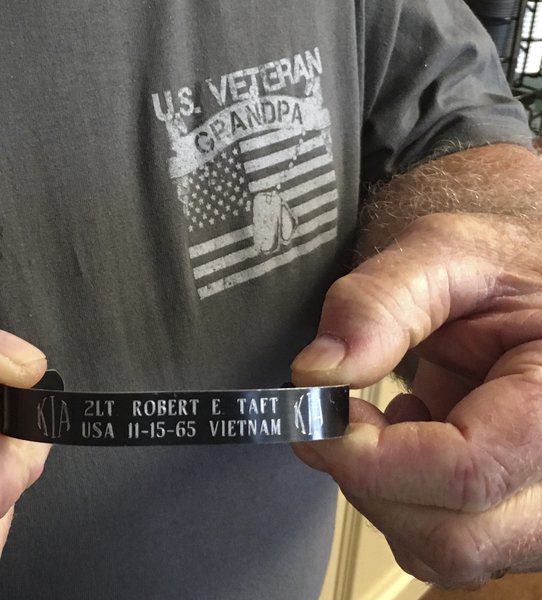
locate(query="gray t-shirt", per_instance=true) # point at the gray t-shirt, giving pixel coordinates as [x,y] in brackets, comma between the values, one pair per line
[138,144]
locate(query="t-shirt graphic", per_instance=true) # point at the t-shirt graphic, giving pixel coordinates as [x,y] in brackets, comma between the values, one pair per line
[256,179]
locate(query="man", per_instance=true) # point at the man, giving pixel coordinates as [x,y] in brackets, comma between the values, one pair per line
[181,183]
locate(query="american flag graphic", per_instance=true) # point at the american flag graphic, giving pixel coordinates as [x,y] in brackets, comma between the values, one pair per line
[219,205]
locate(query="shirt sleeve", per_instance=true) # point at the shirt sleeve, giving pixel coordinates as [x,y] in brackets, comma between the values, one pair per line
[433,84]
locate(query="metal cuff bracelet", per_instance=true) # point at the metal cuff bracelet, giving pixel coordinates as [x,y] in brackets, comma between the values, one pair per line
[47,413]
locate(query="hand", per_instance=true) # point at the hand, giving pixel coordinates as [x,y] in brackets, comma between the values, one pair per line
[21,462]
[451,474]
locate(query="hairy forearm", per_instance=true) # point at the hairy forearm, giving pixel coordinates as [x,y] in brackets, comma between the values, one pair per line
[501,179]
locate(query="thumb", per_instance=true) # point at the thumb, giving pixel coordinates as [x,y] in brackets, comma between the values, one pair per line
[396,299]
[21,363]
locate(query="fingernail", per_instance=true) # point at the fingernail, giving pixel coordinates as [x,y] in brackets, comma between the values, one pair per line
[17,350]
[325,353]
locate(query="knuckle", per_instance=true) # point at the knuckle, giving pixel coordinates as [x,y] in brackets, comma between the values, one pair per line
[346,302]
[480,484]
[368,294]
[357,284]
[417,568]
[342,290]
[495,487]
[410,563]
[459,553]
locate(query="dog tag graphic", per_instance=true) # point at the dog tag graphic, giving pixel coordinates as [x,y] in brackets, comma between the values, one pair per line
[287,223]
[266,215]
[273,222]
